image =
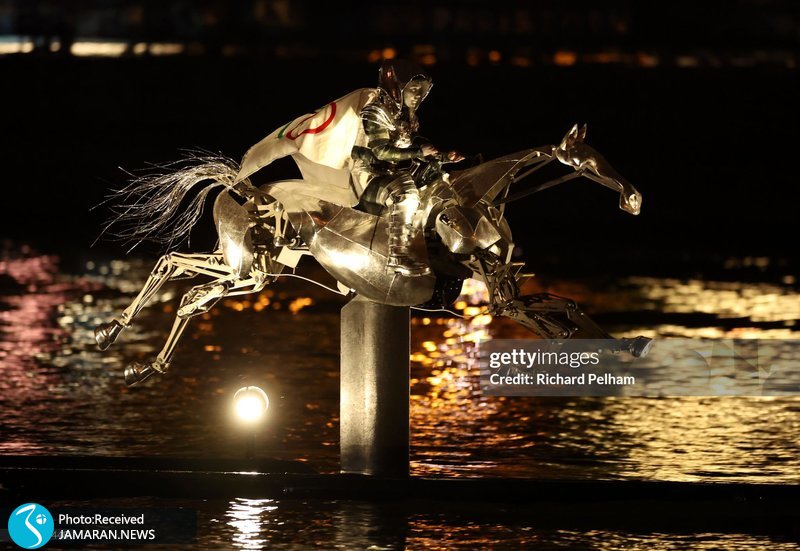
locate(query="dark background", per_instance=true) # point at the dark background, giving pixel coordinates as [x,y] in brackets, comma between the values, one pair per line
[696,105]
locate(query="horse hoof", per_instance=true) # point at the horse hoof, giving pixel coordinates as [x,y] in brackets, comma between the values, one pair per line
[640,346]
[137,372]
[107,333]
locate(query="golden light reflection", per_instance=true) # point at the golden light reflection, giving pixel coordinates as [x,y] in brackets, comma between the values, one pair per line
[630,437]
[708,434]
[166,48]
[16,47]
[248,517]
[604,57]
[50,362]
[565,58]
[445,398]
[299,303]
[98,48]
[760,302]
[648,60]
[266,299]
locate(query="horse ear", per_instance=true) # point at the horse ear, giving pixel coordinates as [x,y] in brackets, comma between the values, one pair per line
[573,132]
[569,137]
[582,133]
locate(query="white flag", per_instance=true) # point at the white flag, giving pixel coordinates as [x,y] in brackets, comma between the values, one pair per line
[320,143]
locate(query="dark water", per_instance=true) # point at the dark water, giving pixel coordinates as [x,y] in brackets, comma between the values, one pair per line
[60,395]
[293,524]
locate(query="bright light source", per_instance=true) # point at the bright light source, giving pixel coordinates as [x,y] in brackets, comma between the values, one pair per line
[249,408]
[250,403]
[90,48]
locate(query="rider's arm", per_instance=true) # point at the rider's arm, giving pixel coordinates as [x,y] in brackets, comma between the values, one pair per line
[377,126]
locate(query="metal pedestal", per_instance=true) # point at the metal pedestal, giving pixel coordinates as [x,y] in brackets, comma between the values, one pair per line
[374,389]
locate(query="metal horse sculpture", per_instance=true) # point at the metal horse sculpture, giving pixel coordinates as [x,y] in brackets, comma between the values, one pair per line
[462,234]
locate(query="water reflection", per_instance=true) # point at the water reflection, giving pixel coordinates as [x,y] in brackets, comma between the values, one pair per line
[324,524]
[247,517]
[59,395]
[267,524]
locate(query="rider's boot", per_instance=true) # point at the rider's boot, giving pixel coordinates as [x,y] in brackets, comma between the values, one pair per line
[403,201]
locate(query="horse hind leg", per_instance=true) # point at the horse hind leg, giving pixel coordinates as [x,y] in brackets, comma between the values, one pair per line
[169,266]
[107,333]
[196,301]
[137,372]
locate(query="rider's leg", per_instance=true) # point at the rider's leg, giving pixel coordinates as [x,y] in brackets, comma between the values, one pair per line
[403,201]
[170,266]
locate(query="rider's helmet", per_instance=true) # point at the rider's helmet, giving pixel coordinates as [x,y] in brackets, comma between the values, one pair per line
[404,82]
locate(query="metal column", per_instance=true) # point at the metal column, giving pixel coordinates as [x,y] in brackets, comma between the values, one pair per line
[374,387]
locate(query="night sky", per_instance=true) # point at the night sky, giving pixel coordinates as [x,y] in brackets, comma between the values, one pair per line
[696,107]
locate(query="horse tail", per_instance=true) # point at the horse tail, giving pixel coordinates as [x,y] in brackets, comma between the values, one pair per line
[149,207]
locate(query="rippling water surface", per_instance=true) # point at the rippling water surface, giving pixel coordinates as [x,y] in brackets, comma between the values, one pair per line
[60,395]
[291,524]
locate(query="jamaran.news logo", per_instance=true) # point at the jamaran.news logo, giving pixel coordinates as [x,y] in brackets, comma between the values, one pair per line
[30,526]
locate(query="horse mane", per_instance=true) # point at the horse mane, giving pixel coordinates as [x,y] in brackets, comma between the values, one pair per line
[148,208]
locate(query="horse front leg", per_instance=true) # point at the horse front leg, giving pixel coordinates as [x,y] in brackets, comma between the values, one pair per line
[549,316]
[554,317]
[196,301]
[169,267]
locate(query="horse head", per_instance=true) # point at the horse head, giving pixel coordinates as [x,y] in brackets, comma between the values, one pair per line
[575,153]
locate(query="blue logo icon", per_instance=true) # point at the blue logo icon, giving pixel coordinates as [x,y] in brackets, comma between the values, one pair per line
[30,526]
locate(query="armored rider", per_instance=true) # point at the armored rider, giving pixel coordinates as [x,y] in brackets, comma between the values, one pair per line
[392,160]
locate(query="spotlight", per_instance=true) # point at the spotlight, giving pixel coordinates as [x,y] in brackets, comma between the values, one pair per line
[250,404]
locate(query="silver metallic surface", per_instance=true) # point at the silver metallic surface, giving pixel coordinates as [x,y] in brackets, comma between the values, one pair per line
[575,153]
[485,181]
[374,403]
[403,204]
[136,373]
[353,247]
[463,230]
[106,333]
[460,216]
[389,156]
[233,228]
